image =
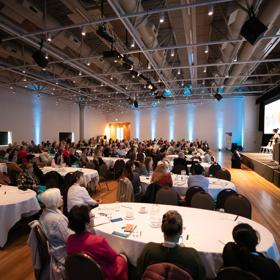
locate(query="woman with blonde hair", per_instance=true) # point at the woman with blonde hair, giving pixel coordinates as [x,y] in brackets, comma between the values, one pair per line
[161,176]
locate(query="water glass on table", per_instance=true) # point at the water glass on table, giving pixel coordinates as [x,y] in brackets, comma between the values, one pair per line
[183,174]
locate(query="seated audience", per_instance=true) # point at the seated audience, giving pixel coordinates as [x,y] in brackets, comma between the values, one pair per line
[129,172]
[113,265]
[54,223]
[170,250]
[27,179]
[198,179]
[161,176]
[23,155]
[77,194]
[207,157]
[242,253]
[147,168]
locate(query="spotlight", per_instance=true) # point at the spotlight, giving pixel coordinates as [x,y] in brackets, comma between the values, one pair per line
[23,71]
[39,57]
[83,31]
[88,63]
[11,87]
[172,53]
[102,32]
[206,49]
[178,72]
[56,82]
[210,10]
[235,59]
[24,79]
[150,86]
[49,38]
[218,96]
[135,103]
[204,69]
[80,73]
[132,45]
[149,66]
[252,29]
[46,56]
[161,18]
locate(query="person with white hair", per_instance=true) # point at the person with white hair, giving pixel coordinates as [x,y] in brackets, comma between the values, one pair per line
[54,224]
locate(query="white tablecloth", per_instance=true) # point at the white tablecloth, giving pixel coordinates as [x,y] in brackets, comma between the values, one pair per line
[3,167]
[14,203]
[180,184]
[89,174]
[208,232]
[110,161]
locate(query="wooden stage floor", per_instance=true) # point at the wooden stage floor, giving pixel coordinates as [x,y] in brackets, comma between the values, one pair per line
[15,258]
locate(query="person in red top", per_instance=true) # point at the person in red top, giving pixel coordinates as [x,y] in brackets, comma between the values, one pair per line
[113,265]
[161,176]
[23,154]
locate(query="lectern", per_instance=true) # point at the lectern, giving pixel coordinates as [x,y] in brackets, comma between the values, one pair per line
[276,152]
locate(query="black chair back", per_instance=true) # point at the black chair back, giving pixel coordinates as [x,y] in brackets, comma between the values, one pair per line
[214,168]
[178,168]
[43,250]
[82,266]
[222,196]
[103,171]
[190,193]
[166,196]
[239,205]
[235,273]
[223,174]
[118,168]
[68,182]
[150,193]
[202,200]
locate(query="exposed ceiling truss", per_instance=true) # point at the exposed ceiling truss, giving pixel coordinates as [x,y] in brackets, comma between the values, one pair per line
[190,60]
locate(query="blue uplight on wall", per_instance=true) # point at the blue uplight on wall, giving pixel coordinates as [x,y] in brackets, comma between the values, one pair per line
[190,111]
[153,114]
[220,125]
[137,123]
[171,123]
[37,111]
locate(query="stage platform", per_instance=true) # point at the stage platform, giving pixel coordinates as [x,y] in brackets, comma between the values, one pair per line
[263,165]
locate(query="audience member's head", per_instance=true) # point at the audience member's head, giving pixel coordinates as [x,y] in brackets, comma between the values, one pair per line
[78,178]
[245,237]
[159,172]
[79,218]
[197,169]
[172,226]
[181,155]
[27,167]
[51,198]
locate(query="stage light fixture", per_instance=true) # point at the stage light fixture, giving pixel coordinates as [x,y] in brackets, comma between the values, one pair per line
[88,63]
[172,53]
[23,71]
[205,69]
[102,32]
[39,57]
[206,49]
[46,56]
[135,103]
[178,72]
[80,73]
[252,29]
[132,45]
[218,96]
[149,66]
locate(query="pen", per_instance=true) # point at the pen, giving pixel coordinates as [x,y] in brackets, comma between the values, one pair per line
[236,218]
[187,237]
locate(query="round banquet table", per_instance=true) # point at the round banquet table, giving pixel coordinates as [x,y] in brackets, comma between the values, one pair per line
[14,204]
[3,167]
[89,174]
[110,161]
[206,231]
[180,184]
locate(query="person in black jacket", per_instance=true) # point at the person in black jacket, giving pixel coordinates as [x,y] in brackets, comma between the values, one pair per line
[180,163]
[242,253]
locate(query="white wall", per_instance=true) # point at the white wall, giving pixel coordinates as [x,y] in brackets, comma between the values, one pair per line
[30,117]
[209,121]
[95,123]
